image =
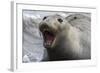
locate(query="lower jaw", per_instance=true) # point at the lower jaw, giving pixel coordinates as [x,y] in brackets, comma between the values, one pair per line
[48,46]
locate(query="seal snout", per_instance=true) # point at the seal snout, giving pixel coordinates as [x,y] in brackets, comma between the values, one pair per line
[43,26]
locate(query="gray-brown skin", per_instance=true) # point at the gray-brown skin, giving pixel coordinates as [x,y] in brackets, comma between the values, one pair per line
[71,37]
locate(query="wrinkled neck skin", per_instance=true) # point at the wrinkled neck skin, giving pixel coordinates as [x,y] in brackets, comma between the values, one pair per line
[67,46]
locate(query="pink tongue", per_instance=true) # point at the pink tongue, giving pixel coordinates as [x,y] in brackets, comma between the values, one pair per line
[49,38]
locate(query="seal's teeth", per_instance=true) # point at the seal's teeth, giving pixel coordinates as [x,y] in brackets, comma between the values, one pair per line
[48,42]
[45,30]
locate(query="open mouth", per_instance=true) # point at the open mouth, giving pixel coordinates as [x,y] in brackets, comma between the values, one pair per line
[48,36]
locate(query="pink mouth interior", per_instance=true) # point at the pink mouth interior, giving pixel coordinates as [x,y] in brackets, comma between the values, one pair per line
[48,37]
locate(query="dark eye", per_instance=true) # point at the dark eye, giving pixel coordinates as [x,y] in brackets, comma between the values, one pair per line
[44,18]
[60,20]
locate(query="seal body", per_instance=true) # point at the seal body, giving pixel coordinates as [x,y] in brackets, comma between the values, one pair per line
[63,40]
